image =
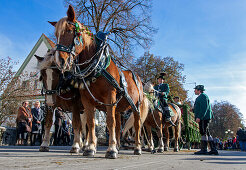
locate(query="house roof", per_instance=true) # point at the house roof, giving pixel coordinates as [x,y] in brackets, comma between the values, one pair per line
[50,44]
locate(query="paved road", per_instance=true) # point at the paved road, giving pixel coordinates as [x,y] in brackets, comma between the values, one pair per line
[20,157]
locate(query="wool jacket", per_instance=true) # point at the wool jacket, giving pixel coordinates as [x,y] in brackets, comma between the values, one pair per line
[23,114]
[202,107]
[164,87]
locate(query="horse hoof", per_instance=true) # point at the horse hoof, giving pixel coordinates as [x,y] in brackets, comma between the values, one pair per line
[137,152]
[89,153]
[111,155]
[165,149]
[160,150]
[153,151]
[83,148]
[175,150]
[74,150]
[149,150]
[44,149]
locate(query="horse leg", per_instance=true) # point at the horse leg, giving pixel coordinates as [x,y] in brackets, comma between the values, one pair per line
[90,114]
[160,135]
[46,139]
[118,126]
[84,131]
[166,142]
[177,131]
[150,138]
[138,149]
[111,124]
[77,129]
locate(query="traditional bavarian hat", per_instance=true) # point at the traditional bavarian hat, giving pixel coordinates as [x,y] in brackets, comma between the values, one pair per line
[200,87]
[162,75]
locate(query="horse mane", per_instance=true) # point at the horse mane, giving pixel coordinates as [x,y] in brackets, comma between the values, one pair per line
[148,87]
[61,27]
[48,59]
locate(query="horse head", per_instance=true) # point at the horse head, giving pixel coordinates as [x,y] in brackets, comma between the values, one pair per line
[50,76]
[72,39]
[149,88]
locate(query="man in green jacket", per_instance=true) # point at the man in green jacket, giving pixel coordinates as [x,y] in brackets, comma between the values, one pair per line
[203,115]
[162,93]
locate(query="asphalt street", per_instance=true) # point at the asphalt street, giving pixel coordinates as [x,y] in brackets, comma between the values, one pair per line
[27,157]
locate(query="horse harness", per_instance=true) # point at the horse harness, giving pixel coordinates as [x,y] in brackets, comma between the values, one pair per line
[99,63]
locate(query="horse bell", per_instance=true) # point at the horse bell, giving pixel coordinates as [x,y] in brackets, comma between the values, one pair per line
[76,85]
[81,86]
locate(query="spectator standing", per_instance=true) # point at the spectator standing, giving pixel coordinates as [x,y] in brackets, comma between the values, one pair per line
[203,115]
[216,142]
[59,116]
[234,142]
[241,136]
[66,129]
[38,116]
[24,123]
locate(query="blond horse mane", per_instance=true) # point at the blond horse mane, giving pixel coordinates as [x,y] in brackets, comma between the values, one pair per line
[48,59]
[148,87]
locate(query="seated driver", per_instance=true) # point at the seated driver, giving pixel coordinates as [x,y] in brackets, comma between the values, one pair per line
[162,93]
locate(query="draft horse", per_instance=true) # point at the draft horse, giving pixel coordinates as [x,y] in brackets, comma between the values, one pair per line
[68,99]
[155,120]
[102,84]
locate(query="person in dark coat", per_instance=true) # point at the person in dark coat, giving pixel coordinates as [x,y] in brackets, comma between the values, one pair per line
[66,130]
[203,115]
[24,123]
[59,116]
[163,91]
[241,137]
[38,116]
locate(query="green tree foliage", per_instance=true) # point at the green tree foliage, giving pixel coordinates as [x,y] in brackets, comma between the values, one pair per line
[148,67]
[131,17]
[226,116]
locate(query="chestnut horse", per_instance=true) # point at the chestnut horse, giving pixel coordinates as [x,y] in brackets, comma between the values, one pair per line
[76,52]
[69,101]
[155,120]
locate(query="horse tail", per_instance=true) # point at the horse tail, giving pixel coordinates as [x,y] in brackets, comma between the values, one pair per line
[178,121]
[143,115]
[144,109]
[128,125]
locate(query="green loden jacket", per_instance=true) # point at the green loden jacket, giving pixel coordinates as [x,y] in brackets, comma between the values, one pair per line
[202,107]
[164,87]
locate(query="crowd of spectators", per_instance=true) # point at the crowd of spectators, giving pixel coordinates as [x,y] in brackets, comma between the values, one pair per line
[236,143]
[30,126]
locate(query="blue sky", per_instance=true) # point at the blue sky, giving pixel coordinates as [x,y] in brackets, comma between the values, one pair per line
[208,37]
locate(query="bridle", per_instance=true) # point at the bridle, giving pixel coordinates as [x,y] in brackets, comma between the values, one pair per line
[53,91]
[58,88]
[77,40]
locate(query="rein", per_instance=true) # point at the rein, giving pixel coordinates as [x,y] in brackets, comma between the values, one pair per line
[99,102]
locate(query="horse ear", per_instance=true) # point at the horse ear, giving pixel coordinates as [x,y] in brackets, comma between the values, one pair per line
[39,58]
[71,14]
[52,23]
